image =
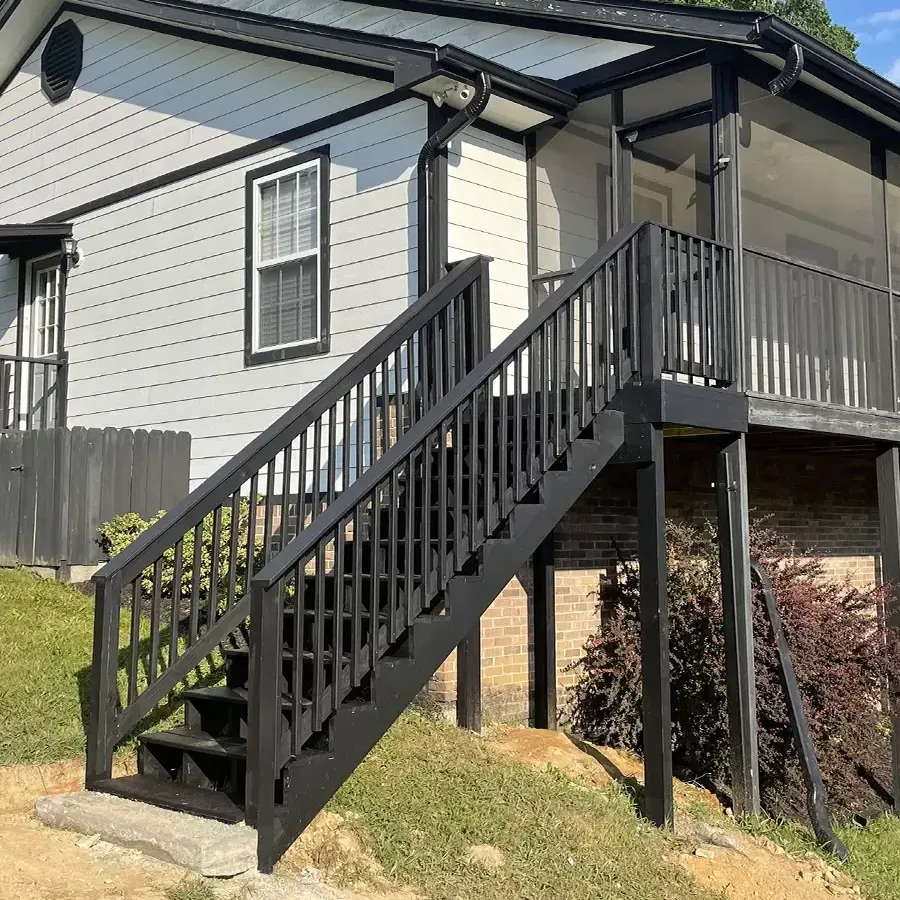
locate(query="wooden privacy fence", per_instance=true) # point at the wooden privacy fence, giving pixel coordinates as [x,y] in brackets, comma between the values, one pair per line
[57,486]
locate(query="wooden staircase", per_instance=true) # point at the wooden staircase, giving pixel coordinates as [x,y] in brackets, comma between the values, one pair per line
[334,564]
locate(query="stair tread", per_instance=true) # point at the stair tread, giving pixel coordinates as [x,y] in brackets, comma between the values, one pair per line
[238,696]
[286,654]
[329,614]
[172,795]
[198,742]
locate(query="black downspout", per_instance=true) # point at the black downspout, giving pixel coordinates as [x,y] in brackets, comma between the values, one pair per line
[425,189]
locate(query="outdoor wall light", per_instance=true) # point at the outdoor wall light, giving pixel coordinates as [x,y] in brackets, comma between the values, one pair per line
[71,253]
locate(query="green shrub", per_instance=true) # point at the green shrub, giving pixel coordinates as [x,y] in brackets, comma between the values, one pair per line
[121,531]
[841,666]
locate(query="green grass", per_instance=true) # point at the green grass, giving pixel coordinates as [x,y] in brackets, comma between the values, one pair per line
[428,792]
[191,888]
[46,638]
[45,655]
[874,851]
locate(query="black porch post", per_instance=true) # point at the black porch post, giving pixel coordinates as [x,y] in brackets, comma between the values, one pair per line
[544,568]
[888,470]
[651,501]
[468,680]
[734,559]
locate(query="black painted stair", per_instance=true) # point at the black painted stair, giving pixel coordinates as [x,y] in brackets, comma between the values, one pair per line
[202,766]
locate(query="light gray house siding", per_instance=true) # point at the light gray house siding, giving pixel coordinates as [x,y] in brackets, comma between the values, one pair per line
[155,310]
[487,212]
[145,104]
[155,318]
[530,50]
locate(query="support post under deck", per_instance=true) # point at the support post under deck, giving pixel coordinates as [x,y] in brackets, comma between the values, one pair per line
[888,471]
[545,699]
[737,608]
[468,680]
[651,501]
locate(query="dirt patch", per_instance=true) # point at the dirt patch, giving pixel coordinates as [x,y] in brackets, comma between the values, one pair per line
[39,863]
[722,858]
[600,766]
[331,850]
[19,785]
[761,871]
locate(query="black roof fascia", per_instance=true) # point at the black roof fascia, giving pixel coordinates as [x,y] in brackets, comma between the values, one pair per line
[7,9]
[651,18]
[33,239]
[237,26]
[776,35]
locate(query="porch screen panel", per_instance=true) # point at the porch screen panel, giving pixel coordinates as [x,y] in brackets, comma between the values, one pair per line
[817,308]
[574,189]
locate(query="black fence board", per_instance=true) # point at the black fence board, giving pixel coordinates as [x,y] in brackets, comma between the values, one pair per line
[10,489]
[45,550]
[28,499]
[57,486]
[154,473]
[139,485]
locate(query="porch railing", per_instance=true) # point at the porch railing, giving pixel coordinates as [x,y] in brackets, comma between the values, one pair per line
[270,492]
[813,335]
[699,315]
[32,392]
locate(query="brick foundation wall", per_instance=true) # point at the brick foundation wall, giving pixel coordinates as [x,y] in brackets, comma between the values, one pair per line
[818,495]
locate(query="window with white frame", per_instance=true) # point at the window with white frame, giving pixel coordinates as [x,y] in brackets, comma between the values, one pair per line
[287,275]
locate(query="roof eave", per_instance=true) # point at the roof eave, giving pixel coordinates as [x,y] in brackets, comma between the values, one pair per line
[847,75]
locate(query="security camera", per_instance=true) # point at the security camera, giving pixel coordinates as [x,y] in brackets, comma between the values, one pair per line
[465,94]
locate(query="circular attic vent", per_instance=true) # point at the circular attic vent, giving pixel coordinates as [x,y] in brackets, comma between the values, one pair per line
[61,61]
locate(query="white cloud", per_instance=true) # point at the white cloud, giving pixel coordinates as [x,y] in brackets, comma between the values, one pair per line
[880,18]
[893,73]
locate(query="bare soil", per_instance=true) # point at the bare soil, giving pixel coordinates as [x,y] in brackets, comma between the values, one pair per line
[746,868]
[39,863]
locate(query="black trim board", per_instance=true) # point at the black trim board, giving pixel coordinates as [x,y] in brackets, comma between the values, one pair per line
[246,29]
[223,159]
[676,403]
[323,344]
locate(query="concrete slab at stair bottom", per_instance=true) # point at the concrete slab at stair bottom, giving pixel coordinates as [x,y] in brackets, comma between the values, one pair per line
[204,846]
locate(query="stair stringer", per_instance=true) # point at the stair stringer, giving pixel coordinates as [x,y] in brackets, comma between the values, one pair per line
[314,777]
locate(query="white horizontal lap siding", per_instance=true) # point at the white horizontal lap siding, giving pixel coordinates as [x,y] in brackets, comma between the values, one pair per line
[9,304]
[487,213]
[535,51]
[146,104]
[155,310]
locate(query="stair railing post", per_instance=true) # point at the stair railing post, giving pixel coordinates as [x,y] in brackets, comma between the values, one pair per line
[101,736]
[650,303]
[263,715]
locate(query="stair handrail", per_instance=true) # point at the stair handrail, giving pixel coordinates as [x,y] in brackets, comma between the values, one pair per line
[279,566]
[455,313]
[594,366]
[234,473]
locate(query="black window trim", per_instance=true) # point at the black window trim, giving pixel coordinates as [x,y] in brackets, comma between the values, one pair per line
[323,344]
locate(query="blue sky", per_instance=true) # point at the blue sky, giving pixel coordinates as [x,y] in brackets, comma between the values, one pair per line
[877,25]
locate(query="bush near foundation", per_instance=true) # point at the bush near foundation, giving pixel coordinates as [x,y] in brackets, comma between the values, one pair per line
[839,656]
[121,531]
